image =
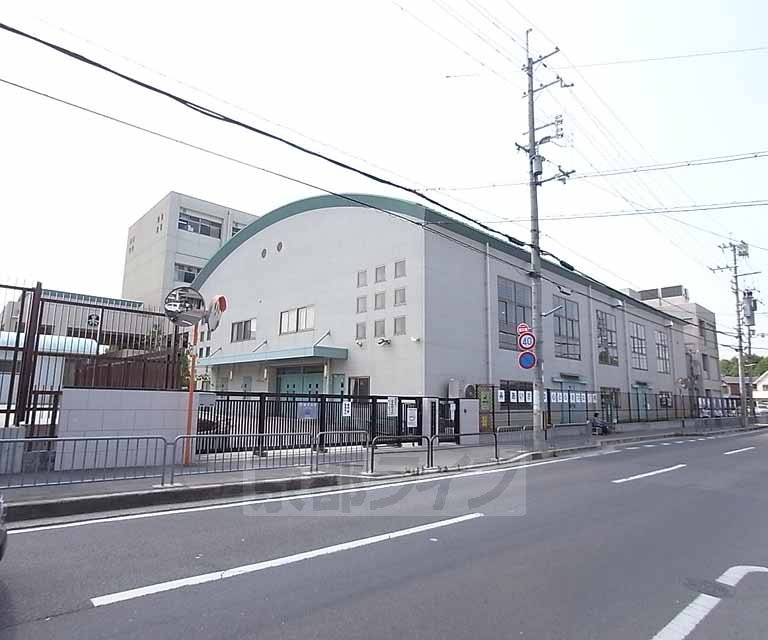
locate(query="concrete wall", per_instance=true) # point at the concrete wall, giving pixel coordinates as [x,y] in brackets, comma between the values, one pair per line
[11,455]
[116,412]
[321,253]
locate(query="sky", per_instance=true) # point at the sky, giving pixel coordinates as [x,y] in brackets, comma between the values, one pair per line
[426,92]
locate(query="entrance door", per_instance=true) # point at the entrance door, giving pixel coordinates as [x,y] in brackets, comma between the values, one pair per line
[247,383]
[337,384]
[290,383]
[313,383]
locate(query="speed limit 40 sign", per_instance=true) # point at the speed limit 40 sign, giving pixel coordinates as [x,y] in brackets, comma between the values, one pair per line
[526,341]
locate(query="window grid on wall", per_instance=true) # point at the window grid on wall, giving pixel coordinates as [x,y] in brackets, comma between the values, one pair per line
[196,224]
[638,346]
[362,304]
[379,329]
[607,340]
[360,331]
[243,330]
[566,326]
[400,269]
[380,275]
[399,326]
[663,364]
[186,272]
[301,319]
[514,308]
[399,297]
[379,300]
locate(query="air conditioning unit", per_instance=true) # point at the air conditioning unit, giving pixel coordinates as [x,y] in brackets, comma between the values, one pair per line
[469,391]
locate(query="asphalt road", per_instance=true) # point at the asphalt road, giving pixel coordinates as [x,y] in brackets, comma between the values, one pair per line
[608,546]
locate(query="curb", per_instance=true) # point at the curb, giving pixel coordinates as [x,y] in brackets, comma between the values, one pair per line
[36,509]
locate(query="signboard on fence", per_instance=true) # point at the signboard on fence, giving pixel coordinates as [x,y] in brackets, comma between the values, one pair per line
[529,396]
[513,396]
[308,410]
[346,409]
[392,407]
[500,396]
[412,418]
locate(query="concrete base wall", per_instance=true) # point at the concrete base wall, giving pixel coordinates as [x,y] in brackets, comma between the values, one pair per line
[114,413]
[11,455]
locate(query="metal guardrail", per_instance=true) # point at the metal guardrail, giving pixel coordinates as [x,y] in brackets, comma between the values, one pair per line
[458,444]
[26,462]
[224,453]
[399,440]
[339,447]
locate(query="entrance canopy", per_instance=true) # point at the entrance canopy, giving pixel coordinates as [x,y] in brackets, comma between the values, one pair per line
[325,353]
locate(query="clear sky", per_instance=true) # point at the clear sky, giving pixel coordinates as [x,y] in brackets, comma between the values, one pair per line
[365,80]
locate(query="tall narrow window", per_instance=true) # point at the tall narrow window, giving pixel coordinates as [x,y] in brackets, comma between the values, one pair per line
[400,269]
[379,329]
[567,334]
[399,297]
[362,304]
[381,273]
[362,278]
[663,364]
[379,300]
[400,326]
[607,342]
[638,346]
[514,308]
[360,331]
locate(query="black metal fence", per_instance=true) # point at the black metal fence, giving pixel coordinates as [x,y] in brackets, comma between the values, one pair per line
[51,339]
[331,417]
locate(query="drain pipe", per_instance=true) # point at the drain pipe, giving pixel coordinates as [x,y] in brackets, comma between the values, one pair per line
[488,318]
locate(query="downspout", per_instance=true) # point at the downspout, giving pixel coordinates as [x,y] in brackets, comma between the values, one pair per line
[590,310]
[489,359]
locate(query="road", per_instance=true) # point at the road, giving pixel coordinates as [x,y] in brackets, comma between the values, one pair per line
[614,545]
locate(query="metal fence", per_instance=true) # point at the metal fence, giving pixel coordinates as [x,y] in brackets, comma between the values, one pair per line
[26,462]
[51,339]
[243,412]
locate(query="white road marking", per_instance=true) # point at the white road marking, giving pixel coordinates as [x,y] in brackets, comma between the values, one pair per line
[729,453]
[649,446]
[692,440]
[701,439]
[679,441]
[646,475]
[686,621]
[631,448]
[666,444]
[131,594]
[439,477]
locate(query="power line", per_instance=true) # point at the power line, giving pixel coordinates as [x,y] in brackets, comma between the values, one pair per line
[683,56]
[663,166]
[229,120]
[426,226]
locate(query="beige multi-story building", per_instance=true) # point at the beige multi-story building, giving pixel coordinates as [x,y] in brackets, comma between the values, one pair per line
[169,245]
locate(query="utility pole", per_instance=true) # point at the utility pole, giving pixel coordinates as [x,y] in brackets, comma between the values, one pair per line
[740,250]
[535,170]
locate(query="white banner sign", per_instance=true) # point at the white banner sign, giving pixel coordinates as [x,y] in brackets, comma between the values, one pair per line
[412,417]
[346,409]
[513,396]
[500,396]
[392,407]
[529,396]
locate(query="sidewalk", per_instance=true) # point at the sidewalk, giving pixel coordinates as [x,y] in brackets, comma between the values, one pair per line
[52,501]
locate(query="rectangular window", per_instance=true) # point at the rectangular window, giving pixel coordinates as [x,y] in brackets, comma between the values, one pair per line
[186,273]
[567,334]
[244,330]
[400,269]
[705,365]
[381,274]
[379,300]
[288,321]
[514,308]
[663,364]
[399,297]
[306,318]
[197,224]
[207,352]
[400,326]
[362,304]
[236,228]
[607,342]
[610,397]
[360,331]
[379,329]
[360,386]
[200,352]
[638,345]
[362,278]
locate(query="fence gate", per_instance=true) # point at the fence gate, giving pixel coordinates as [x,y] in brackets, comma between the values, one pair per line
[448,420]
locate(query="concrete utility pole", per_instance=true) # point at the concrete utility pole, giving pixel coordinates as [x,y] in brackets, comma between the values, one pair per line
[740,250]
[535,170]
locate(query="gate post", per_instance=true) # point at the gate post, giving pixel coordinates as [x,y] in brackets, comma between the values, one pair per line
[321,439]
[261,420]
[28,357]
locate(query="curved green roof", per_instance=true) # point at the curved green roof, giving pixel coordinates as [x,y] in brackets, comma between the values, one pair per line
[395,205]
[403,207]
